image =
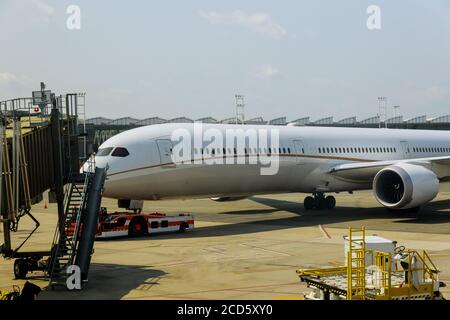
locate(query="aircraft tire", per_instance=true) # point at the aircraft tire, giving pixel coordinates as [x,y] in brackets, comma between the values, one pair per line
[309,203]
[330,202]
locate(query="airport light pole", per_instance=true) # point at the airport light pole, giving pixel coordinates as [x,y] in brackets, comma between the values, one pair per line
[382,111]
[240,108]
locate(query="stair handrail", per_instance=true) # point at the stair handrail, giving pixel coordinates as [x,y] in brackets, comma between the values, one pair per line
[79,212]
[56,237]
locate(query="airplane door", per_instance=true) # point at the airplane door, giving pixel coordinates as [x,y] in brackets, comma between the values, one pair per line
[165,151]
[299,149]
[405,149]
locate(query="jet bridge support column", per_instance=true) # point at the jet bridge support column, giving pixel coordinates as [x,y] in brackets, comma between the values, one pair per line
[5,248]
[57,160]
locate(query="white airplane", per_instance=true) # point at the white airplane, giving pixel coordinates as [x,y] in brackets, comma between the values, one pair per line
[402,167]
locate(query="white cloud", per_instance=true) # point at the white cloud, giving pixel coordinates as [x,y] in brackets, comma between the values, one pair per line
[8,78]
[12,85]
[435,93]
[43,7]
[266,71]
[261,23]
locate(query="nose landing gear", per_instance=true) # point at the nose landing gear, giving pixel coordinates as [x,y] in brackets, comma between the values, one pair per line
[319,201]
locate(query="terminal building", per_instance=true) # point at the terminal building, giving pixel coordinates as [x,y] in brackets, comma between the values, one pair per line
[100,129]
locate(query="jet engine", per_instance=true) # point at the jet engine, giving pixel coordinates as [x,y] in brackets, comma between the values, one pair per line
[405,186]
[223,199]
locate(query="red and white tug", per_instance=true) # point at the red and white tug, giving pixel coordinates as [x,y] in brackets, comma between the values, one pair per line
[120,224]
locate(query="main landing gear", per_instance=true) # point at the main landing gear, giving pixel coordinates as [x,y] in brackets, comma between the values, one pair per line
[319,201]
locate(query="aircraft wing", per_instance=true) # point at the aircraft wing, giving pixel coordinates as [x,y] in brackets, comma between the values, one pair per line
[366,171]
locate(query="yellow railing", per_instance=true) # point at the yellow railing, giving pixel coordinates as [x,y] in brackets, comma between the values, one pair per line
[418,279]
[356,265]
[383,262]
[322,272]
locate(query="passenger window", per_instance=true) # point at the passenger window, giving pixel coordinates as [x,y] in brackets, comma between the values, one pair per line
[103,152]
[289,150]
[164,224]
[120,152]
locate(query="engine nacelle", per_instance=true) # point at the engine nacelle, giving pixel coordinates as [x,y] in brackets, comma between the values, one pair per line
[405,186]
[223,199]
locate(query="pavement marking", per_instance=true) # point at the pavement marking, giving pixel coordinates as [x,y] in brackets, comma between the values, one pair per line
[264,249]
[325,233]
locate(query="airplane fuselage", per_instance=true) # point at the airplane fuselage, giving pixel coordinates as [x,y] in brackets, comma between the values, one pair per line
[141,165]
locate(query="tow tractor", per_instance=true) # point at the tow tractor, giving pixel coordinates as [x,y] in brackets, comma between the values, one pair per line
[136,224]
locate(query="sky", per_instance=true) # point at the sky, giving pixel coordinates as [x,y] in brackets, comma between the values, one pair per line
[189,58]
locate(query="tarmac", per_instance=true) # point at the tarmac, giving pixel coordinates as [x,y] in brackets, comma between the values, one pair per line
[247,249]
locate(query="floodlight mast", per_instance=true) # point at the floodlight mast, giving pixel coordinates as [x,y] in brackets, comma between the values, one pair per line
[240,108]
[382,111]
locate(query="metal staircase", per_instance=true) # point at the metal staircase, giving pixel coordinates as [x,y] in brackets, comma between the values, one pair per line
[67,233]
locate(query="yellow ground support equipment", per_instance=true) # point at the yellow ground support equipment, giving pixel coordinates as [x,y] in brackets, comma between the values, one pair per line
[371,274]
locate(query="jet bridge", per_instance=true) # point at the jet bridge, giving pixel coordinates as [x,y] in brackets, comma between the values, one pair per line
[42,147]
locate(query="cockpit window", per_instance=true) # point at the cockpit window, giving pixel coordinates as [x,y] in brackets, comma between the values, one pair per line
[103,152]
[120,152]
